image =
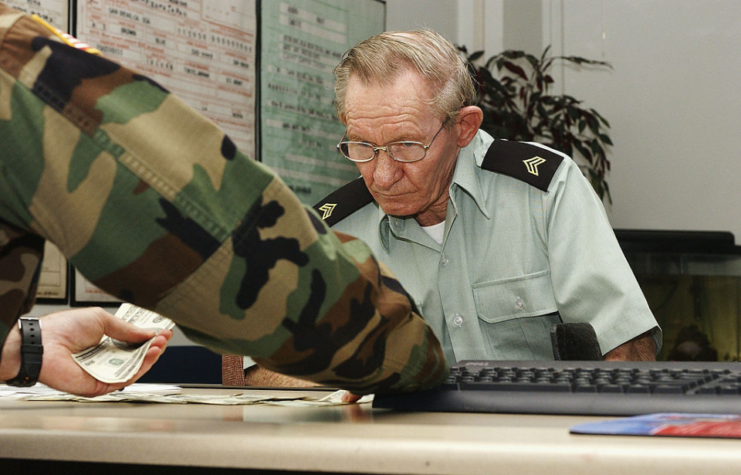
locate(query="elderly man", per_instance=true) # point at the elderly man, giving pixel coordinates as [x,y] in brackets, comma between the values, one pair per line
[495,241]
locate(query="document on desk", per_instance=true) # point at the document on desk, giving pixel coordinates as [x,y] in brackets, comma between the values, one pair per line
[113,361]
[667,425]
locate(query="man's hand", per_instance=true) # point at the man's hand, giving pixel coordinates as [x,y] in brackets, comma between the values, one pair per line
[71,331]
[640,348]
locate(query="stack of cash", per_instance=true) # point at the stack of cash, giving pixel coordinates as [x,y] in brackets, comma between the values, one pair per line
[113,361]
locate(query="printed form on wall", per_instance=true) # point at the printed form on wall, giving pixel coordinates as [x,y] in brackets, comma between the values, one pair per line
[302,41]
[54,12]
[202,51]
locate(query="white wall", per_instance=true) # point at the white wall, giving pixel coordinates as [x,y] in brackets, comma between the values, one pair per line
[673,100]
[438,15]
[476,24]
[673,97]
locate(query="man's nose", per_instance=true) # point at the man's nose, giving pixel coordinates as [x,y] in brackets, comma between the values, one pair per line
[387,172]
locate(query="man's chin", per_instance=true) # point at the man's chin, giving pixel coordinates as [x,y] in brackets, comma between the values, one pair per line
[397,211]
[396,206]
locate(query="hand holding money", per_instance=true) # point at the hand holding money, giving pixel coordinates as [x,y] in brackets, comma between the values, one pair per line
[113,361]
[71,331]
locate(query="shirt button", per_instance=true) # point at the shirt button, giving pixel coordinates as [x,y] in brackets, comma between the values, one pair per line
[457,320]
[444,261]
[519,303]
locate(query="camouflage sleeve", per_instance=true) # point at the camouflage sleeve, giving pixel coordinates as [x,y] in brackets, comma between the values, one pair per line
[154,204]
[20,258]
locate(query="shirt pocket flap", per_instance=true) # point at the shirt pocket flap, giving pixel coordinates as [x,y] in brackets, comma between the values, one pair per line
[524,296]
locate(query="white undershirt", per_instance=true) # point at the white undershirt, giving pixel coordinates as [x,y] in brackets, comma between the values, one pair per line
[436,231]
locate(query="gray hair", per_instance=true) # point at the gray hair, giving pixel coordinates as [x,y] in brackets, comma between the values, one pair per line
[383,58]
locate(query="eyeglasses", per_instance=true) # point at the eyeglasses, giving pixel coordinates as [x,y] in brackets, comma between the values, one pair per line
[404,151]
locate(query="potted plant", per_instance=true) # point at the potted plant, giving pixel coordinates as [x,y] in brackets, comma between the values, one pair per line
[514,93]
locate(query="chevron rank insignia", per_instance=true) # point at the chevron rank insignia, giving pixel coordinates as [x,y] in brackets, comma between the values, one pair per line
[532,164]
[327,209]
[507,158]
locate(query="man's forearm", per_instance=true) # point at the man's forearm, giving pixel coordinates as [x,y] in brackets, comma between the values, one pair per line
[640,348]
[257,376]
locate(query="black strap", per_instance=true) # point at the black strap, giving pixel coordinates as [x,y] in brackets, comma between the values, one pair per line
[32,352]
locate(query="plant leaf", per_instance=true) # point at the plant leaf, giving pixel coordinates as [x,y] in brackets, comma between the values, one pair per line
[515,69]
[475,56]
[605,139]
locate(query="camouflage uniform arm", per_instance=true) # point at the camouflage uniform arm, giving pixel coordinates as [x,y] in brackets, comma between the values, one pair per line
[154,204]
[20,257]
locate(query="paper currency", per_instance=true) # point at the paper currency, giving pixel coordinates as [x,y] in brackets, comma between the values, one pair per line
[113,361]
[233,399]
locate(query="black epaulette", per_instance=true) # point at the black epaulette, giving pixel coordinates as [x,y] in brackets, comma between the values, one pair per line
[529,163]
[343,202]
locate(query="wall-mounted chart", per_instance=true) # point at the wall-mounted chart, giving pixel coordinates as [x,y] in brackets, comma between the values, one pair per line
[202,51]
[301,41]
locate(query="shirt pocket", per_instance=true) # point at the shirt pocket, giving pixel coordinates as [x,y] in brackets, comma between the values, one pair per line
[523,296]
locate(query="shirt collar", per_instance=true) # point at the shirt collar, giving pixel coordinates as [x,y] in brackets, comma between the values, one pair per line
[467,169]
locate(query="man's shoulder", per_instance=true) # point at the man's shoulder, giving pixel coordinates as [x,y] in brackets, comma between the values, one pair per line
[533,164]
[343,202]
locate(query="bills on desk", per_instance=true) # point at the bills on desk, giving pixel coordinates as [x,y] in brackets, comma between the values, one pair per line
[113,361]
[141,394]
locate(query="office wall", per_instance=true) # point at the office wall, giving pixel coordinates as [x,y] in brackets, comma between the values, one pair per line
[672,98]
[438,15]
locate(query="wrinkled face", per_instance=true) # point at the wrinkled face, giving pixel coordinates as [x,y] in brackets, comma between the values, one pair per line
[383,114]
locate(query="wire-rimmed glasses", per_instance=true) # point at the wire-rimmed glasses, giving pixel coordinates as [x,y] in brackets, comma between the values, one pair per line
[405,151]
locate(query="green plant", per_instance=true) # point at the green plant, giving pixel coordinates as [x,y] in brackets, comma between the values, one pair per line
[513,92]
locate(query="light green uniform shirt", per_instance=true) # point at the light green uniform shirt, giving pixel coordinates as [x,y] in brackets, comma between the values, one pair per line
[514,260]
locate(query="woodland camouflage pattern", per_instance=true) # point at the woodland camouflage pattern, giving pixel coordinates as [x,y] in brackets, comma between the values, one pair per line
[155,205]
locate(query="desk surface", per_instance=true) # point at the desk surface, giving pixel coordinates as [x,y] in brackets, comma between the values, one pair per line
[351,439]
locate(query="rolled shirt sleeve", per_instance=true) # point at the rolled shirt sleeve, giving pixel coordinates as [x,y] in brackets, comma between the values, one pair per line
[592,280]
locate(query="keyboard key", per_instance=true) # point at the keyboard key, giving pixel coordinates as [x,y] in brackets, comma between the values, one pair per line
[729,389]
[637,389]
[668,389]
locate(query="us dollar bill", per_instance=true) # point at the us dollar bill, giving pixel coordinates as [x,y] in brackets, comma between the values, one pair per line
[232,399]
[114,361]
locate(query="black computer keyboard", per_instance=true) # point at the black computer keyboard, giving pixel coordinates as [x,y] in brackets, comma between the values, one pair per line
[579,388]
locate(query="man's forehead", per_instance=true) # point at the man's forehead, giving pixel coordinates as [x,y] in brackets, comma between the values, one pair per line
[404,96]
[406,77]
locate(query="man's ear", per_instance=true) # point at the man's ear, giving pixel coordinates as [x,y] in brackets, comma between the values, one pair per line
[469,120]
